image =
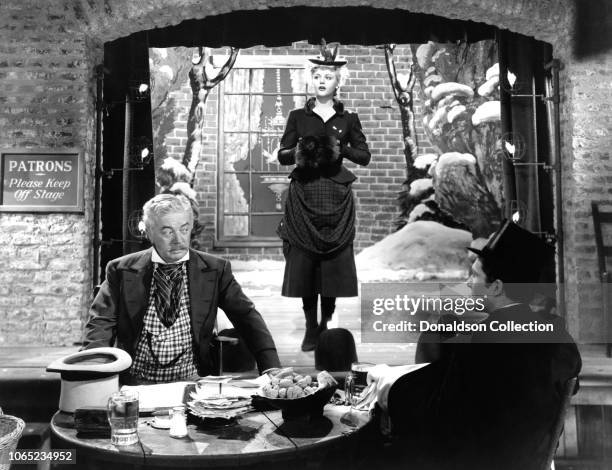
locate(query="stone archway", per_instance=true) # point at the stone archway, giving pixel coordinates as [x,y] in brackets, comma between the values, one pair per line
[548,20]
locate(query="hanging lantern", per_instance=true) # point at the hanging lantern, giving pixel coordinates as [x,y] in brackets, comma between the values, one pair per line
[518,212]
[138,90]
[511,78]
[513,146]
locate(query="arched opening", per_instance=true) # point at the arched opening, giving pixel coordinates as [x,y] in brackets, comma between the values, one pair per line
[299,29]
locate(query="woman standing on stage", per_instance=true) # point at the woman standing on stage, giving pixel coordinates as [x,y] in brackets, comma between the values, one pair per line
[318,227]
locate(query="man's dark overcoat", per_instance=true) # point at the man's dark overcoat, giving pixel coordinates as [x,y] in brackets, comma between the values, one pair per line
[488,403]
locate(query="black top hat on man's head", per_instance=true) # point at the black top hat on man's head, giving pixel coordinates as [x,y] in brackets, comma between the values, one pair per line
[328,57]
[515,255]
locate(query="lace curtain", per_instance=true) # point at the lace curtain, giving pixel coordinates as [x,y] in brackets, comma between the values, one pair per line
[298,85]
[236,145]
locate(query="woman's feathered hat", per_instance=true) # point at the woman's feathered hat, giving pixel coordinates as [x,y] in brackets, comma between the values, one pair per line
[328,56]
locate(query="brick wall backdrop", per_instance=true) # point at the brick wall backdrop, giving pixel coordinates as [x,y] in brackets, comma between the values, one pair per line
[46,85]
[367,92]
[588,176]
[58,43]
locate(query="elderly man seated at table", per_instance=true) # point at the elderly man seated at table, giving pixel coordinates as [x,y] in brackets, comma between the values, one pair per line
[160,304]
[491,401]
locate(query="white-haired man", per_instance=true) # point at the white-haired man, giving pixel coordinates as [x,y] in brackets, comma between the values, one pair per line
[160,304]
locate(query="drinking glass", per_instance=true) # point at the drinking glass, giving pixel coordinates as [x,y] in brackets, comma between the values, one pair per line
[356,382]
[122,412]
[359,371]
[349,388]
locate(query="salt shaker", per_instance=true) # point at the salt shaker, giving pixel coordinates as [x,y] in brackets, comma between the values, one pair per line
[178,422]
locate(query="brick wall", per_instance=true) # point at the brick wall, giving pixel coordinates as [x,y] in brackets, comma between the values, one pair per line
[45,101]
[367,92]
[548,20]
[588,176]
[46,41]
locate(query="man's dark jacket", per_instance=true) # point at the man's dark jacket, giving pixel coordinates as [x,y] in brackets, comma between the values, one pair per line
[488,403]
[118,311]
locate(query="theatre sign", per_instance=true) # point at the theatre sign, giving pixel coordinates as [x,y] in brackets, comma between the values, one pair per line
[41,181]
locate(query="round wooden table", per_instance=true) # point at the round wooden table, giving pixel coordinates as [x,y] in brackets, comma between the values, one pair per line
[258,439]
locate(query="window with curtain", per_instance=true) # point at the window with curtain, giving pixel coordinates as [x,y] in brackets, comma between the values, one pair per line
[255,100]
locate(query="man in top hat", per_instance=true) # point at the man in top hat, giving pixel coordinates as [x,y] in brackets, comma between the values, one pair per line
[160,304]
[490,401]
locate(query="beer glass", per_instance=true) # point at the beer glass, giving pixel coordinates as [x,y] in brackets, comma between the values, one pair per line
[122,412]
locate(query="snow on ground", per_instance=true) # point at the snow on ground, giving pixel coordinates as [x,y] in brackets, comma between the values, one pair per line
[420,250]
[259,278]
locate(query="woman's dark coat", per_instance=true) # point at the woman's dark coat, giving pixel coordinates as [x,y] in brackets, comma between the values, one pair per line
[310,272]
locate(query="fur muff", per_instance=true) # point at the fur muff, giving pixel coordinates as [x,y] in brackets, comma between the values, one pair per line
[318,153]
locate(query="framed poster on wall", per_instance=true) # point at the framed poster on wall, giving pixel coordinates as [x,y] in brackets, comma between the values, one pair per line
[35,180]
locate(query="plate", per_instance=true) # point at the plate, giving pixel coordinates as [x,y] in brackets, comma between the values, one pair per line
[161,423]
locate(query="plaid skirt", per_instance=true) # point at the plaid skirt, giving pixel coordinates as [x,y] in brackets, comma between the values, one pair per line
[307,275]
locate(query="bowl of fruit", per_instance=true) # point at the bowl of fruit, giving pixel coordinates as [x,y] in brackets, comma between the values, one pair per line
[298,395]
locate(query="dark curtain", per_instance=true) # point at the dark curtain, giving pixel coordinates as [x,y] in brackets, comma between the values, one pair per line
[528,185]
[126,63]
[346,25]
[524,122]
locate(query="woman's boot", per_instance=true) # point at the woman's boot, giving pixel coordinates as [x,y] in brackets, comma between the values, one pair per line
[312,332]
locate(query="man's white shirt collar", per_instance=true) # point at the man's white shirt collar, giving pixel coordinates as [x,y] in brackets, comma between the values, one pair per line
[158,259]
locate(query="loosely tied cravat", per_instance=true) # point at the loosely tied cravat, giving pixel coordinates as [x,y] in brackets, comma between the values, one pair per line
[168,287]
